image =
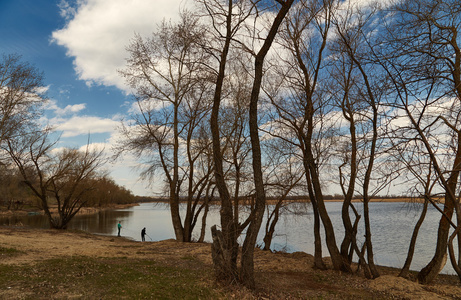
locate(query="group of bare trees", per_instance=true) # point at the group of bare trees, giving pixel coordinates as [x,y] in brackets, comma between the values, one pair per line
[244,98]
[61,180]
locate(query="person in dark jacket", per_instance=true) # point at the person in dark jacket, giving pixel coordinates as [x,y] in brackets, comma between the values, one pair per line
[143,234]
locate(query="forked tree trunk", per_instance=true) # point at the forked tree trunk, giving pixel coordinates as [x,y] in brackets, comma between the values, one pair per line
[349,241]
[330,239]
[369,244]
[225,243]
[438,261]
[175,216]
[247,263]
[270,226]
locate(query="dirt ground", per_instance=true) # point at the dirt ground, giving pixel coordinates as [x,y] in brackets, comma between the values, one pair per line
[278,275]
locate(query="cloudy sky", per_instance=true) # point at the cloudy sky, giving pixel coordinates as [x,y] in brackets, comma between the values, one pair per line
[80,45]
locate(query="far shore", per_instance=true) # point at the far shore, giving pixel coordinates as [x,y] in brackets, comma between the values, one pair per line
[53,209]
[92,210]
[397,199]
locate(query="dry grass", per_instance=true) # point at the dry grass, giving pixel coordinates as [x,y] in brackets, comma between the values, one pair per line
[132,270]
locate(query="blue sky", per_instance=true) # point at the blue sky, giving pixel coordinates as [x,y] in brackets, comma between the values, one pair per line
[80,45]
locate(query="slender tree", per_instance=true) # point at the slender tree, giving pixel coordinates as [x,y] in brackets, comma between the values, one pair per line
[305,36]
[422,56]
[171,92]
[260,201]
[351,39]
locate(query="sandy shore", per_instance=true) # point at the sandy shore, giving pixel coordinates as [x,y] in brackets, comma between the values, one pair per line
[282,275]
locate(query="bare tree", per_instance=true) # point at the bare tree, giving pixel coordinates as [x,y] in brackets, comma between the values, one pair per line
[343,77]
[60,177]
[303,109]
[21,96]
[166,74]
[260,201]
[198,168]
[352,30]
[231,16]
[423,58]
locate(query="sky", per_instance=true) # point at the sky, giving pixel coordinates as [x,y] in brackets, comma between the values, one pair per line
[79,45]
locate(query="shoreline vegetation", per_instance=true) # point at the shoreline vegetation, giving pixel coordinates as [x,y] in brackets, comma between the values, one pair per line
[39,263]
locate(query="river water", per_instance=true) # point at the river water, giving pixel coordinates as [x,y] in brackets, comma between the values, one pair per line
[391,224]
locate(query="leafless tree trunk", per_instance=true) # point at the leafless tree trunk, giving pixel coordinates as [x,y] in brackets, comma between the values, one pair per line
[296,116]
[247,263]
[456,265]
[225,246]
[351,34]
[411,249]
[206,205]
[344,77]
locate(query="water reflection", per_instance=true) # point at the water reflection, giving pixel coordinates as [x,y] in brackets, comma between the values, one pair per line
[36,221]
[103,222]
[391,225]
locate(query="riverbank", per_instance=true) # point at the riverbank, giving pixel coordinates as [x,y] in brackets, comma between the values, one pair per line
[91,210]
[62,264]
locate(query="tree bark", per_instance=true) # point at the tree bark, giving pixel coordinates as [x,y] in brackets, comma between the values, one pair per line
[429,272]
[318,259]
[330,239]
[226,257]
[411,248]
[247,263]
[456,265]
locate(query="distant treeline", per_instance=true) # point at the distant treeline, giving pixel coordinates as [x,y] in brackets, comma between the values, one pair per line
[297,198]
[102,192]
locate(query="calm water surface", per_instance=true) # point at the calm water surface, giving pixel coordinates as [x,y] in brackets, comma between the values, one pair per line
[391,224]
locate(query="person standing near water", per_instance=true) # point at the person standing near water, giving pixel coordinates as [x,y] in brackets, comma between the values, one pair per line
[143,234]
[119,226]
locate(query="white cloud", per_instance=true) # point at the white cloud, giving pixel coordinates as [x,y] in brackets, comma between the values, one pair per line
[72,108]
[84,125]
[94,147]
[69,109]
[98,31]
[42,89]
[66,10]
[146,105]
